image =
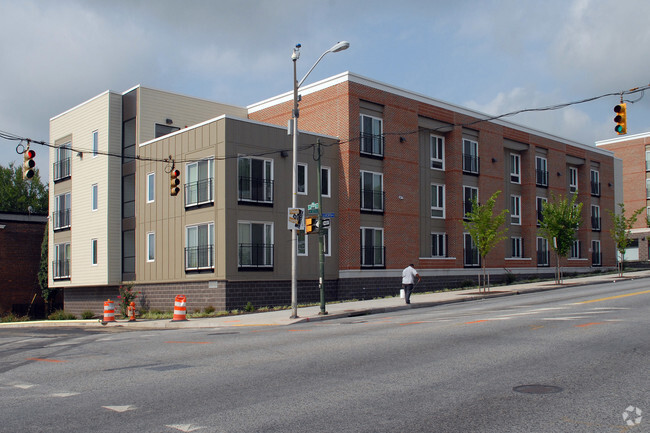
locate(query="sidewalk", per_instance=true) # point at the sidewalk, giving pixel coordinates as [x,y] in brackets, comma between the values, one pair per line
[340,310]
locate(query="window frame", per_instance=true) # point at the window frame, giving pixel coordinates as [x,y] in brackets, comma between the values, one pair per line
[436,146]
[326,183]
[267,180]
[94,252]
[574,252]
[210,246]
[62,215]
[573,179]
[515,168]
[596,252]
[94,197]
[545,250]
[193,198]
[541,168]
[515,213]
[595,217]
[95,143]
[382,248]
[516,247]
[151,247]
[440,205]
[471,156]
[151,187]
[268,248]
[473,248]
[305,243]
[375,137]
[439,241]
[465,198]
[373,191]
[305,174]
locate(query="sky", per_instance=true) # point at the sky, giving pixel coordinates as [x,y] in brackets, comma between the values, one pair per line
[487,55]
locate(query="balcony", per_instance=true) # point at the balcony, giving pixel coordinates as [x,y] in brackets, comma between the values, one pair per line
[372,201]
[61,169]
[541,178]
[373,257]
[595,189]
[372,145]
[253,190]
[255,257]
[199,258]
[471,163]
[61,269]
[198,193]
[61,219]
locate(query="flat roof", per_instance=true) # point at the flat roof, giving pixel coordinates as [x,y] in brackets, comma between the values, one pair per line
[623,138]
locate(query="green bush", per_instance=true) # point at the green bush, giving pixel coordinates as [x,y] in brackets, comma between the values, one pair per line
[209,310]
[11,317]
[87,315]
[249,307]
[61,315]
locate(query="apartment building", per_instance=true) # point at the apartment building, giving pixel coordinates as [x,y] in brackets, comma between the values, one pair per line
[409,166]
[634,151]
[222,240]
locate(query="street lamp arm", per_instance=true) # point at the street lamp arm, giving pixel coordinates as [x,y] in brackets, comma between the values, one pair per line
[340,46]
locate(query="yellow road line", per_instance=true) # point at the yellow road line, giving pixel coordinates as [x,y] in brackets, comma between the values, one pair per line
[614,297]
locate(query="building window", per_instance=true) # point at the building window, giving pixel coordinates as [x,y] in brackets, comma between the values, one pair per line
[372,192]
[470,156]
[595,183]
[95,143]
[255,245]
[647,160]
[647,188]
[199,247]
[255,180]
[517,247]
[325,186]
[595,217]
[372,139]
[515,168]
[327,242]
[61,263]
[575,250]
[543,253]
[62,163]
[372,247]
[199,188]
[438,245]
[515,209]
[94,199]
[539,206]
[61,214]
[471,256]
[573,179]
[469,193]
[437,152]
[541,171]
[151,247]
[596,254]
[93,251]
[302,243]
[437,201]
[161,130]
[151,187]
[302,179]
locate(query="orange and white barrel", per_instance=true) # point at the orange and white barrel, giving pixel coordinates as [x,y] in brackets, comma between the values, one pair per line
[109,311]
[180,309]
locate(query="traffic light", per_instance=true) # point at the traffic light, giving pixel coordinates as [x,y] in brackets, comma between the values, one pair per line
[174,182]
[29,164]
[311,225]
[620,119]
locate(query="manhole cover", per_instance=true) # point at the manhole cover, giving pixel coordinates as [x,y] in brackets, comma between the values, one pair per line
[537,389]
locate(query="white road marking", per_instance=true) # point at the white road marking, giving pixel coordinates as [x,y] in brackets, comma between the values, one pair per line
[563,318]
[64,394]
[23,385]
[185,427]
[120,409]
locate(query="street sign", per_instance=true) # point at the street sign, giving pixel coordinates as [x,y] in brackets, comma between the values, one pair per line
[329,215]
[326,223]
[296,219]
[312,208]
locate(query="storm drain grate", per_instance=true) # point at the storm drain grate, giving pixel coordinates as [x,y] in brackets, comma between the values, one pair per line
[537,389]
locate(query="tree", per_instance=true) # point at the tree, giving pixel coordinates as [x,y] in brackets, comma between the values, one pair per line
[561,218]
[621,232]
[484,228]
[19,195]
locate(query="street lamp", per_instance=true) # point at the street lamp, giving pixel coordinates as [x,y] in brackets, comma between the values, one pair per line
[339,46]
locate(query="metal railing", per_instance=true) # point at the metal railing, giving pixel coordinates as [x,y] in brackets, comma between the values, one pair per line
[471,163]
[541,177]
[373,257]
[372,200]
[61,169]
[198,258]
[60,269]
[256,190]
[372,144]
[61,219]
[255,255]
[199,192]
[595,223]
[595,188]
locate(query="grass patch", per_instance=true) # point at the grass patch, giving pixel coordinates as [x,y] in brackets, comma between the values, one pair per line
[61,315]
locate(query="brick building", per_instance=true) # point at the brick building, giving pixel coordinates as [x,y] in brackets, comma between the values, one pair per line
[634,151]
[399,172]
[21,236]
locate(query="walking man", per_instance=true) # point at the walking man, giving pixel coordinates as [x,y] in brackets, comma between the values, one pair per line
[408,279]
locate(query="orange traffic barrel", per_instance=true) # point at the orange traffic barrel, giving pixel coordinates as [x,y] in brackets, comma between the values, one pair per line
[109,311]
[180,310]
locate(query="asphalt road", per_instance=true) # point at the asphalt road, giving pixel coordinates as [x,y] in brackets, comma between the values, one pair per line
[570,360]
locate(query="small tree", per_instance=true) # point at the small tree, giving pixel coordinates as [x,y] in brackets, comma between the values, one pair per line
[485,229]
[621,232]
[560,221]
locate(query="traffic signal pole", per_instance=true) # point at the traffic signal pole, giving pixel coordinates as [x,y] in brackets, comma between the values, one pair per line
[321,241]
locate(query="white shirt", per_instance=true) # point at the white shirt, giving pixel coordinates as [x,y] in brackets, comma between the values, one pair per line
[408,275]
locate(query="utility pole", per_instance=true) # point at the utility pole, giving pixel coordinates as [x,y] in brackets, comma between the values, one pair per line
[321,241]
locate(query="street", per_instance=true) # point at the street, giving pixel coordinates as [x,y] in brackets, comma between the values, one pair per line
[568,360]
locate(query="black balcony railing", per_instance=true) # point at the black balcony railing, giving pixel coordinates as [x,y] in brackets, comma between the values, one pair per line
[61,219]
[543,258]
[60,269]
[372,144]
[372,200]
[595,188]
[595,223]
[200,192]
[541,177]
[199,258]
[470,163]
[255,190]
[373,257]
[255,256]
[61,169]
